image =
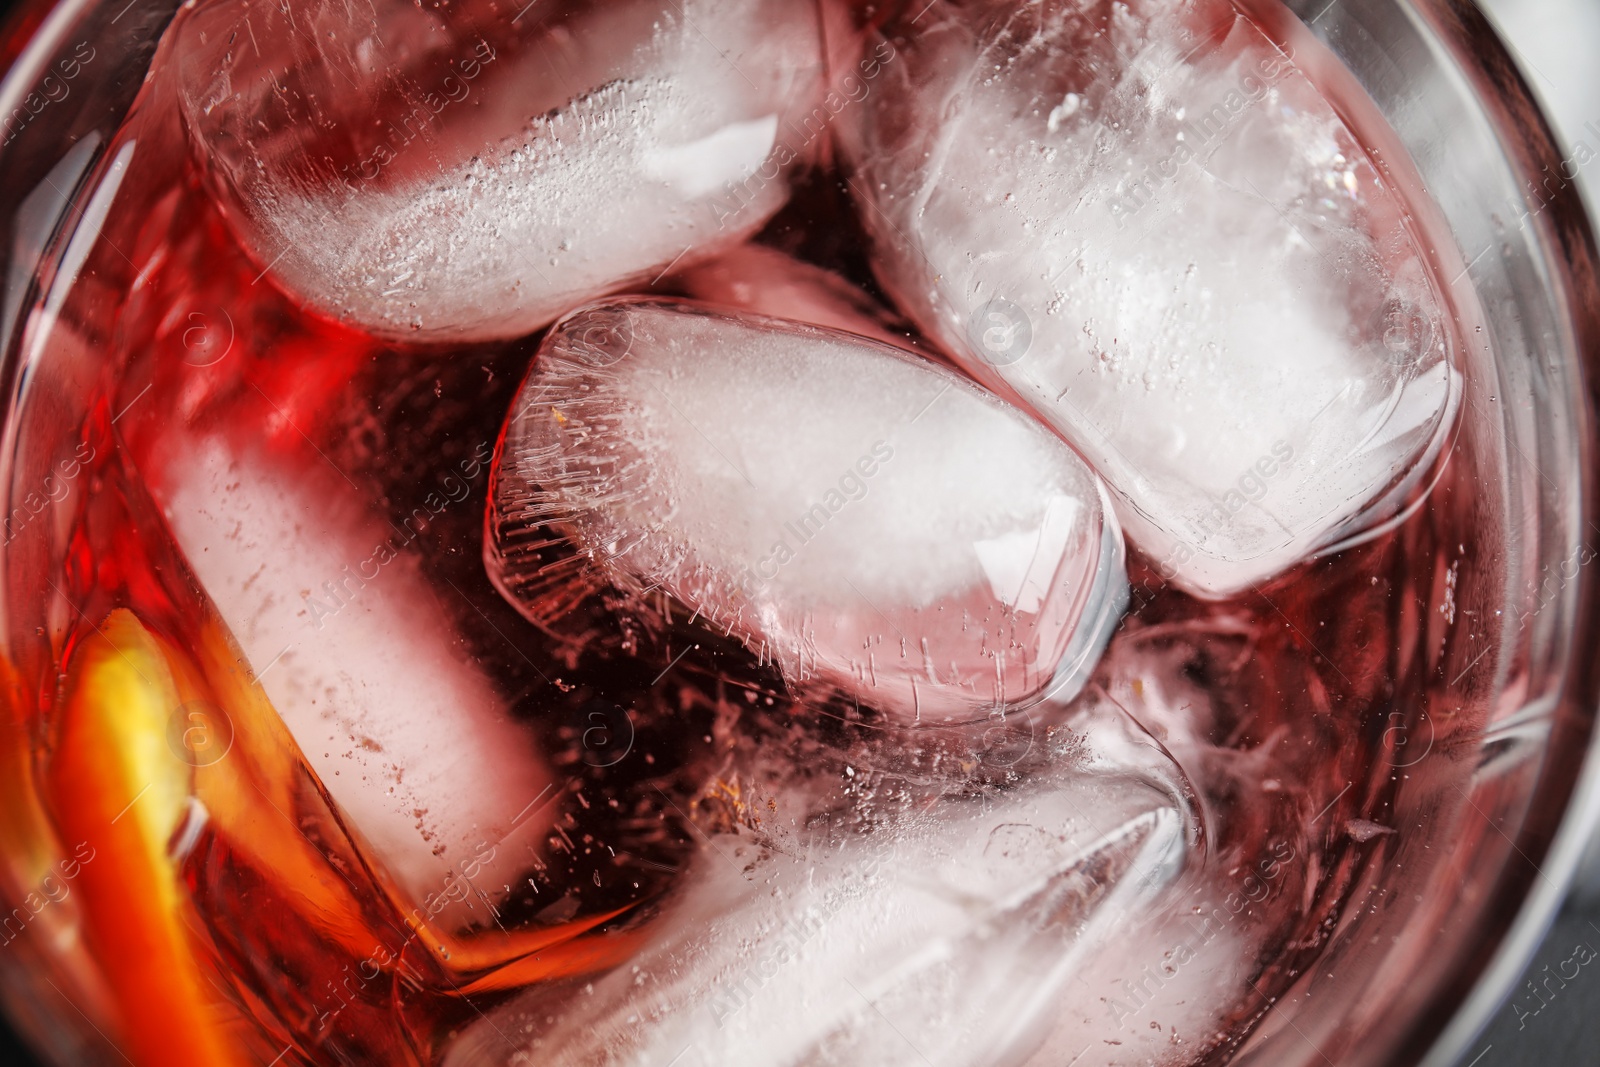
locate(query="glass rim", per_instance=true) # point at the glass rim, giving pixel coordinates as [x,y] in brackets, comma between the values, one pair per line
[1565,238]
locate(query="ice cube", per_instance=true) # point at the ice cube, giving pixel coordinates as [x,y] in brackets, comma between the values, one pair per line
[756,278]
[947,936]
[1147,222]
[864,520]
[473,177]
[411,741]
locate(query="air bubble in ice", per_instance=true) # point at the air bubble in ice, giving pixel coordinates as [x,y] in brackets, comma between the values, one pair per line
[858,517]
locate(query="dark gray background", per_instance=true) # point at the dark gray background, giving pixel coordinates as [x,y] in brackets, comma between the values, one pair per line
[1559,1024]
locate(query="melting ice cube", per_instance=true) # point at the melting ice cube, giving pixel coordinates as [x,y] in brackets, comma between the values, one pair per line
[410,740]
[861,518]
[756,278]
[951,937]
[1147,222]
[475,176]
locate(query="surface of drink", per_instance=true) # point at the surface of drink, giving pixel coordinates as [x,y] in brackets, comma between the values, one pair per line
[388,812]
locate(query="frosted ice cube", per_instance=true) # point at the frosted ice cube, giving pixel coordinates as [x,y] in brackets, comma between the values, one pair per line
[411,741]
[864,520]
[948,937]
[477,176]
[1148,223]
